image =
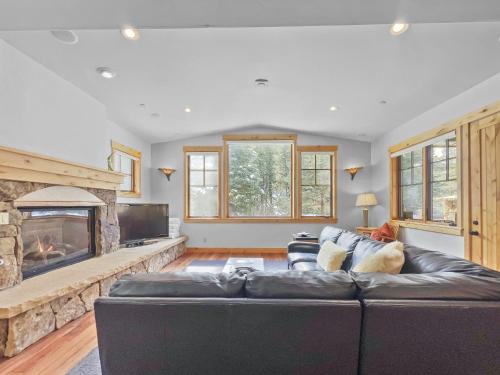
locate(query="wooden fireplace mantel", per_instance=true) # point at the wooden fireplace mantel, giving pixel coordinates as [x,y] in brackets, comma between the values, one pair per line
[20,165]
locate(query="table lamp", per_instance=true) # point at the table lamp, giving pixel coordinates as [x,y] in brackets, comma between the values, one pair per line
[364,200]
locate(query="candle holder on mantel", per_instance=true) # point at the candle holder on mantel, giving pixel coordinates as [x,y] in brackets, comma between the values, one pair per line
[167,172]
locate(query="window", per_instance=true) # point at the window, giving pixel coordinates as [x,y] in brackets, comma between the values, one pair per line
[425,184]
[410,185]
[316,181]
[202,179]
[126,160]
[260,178]
[443,185]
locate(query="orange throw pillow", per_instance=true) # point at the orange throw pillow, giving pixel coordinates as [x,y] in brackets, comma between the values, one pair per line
[386,231]
[376,235]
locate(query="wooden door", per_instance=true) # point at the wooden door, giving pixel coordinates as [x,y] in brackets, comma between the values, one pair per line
[483,228]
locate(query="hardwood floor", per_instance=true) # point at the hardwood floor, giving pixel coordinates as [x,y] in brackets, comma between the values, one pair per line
[59,352]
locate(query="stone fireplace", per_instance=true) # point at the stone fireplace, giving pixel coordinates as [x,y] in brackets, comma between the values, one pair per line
[59,245]
[53,226]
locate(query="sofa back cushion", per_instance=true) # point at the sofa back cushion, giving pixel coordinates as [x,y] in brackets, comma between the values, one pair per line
[430,286]
[419,260]
[298,284]
[349,240]
[179,284]
[329,233]
[364,247]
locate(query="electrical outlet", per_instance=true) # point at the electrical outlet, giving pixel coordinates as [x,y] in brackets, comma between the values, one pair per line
[4,218]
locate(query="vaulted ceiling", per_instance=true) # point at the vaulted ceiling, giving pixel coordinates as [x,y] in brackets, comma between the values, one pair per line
[375,80]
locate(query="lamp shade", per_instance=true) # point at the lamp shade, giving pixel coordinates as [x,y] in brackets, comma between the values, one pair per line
[366,199]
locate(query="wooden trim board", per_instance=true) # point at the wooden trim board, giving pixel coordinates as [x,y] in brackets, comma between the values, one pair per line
[18,165]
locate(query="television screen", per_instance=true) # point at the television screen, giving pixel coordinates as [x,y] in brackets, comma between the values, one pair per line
[142,221]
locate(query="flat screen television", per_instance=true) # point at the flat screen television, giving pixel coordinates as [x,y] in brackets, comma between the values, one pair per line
[139,222]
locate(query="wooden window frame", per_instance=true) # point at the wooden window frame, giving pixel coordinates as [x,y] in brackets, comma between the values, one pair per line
[136,169]
[293,175]
[202,149]
[395,201]
[332,150]
[224,181]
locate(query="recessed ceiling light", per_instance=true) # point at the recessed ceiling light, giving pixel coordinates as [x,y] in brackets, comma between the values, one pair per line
[261,82]
[383,101]
[65,36]
[155,115]
[130,33]
[187,110]
[106,72]
[399,28]
[333,108]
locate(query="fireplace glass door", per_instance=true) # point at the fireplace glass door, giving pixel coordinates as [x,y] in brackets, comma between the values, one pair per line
[56,237]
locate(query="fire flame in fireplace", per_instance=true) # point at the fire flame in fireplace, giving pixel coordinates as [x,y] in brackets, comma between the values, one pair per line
[44,246]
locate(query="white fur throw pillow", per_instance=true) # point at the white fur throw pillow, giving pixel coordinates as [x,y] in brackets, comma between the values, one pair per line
[331,256]
[389,259]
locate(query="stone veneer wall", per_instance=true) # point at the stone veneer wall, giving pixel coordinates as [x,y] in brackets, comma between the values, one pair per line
[20,331]
[11,245]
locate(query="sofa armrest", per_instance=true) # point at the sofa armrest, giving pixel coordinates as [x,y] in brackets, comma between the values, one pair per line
[303,247]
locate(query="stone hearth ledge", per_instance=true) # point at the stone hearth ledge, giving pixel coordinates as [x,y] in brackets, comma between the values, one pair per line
[42,289]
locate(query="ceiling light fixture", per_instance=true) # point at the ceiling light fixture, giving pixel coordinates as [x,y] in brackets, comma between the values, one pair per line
[399,28]
[333,108]
[130,33]
[261,82]
[65,36]
[187,110]
[106,72]
[155,115]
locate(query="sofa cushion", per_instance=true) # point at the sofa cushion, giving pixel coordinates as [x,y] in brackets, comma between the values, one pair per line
[331,256]
[179,284]
[329,233]
[365,247]
[349,240]
[296,284]
[418,260]
[389,259]
[301,257]
[430,286]
[307,266]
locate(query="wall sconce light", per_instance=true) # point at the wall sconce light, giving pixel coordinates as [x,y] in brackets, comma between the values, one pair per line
[167,172]
[352,171]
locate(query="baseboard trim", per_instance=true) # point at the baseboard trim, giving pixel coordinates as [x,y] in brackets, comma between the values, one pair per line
[237,250]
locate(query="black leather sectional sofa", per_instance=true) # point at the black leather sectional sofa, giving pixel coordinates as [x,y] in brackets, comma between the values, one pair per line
[441,315]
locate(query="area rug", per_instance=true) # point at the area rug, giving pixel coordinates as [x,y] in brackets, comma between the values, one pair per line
[217,265]
[89,365]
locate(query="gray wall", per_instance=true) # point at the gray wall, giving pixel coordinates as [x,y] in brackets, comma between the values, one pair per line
[258,235]
[41,112]
[482,94]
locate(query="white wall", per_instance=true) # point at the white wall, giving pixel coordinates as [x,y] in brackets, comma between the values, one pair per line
[258,235]
[41,112]
[482,94]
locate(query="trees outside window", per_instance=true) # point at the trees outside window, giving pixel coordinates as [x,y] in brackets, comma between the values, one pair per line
[260,179]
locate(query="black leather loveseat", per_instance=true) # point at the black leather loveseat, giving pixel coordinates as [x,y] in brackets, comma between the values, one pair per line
[441,315]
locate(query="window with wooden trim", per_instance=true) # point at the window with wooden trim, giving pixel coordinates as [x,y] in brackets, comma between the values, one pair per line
[202,182]
[426,184]
[443,183]
[126,160]
[259,176]
[316,181]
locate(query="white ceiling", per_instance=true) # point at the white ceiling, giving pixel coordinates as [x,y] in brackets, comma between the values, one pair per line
[212,70]
[110,14]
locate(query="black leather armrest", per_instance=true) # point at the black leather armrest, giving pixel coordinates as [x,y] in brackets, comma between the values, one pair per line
[303,247]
